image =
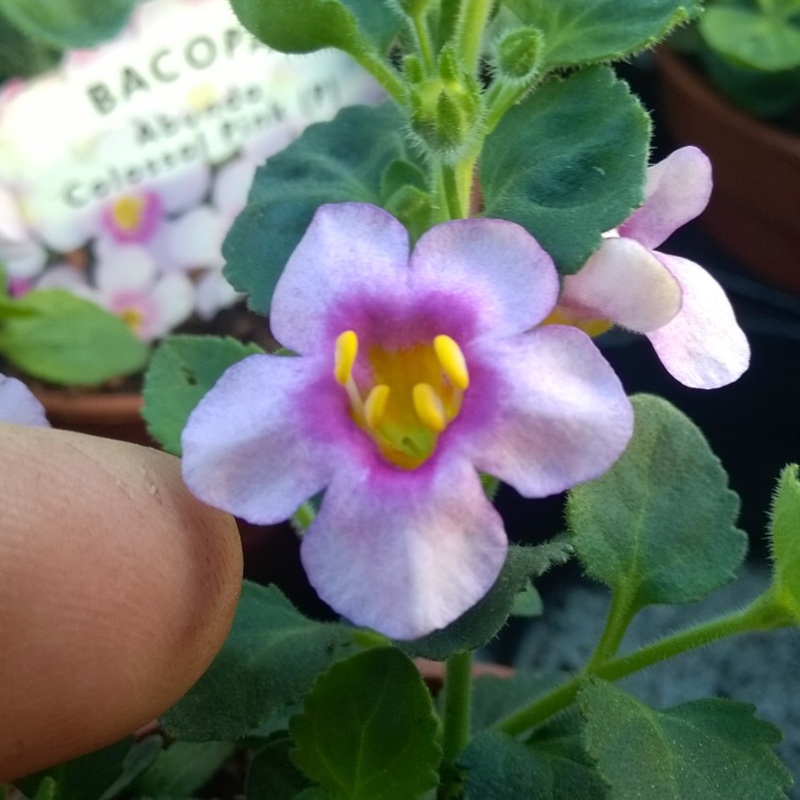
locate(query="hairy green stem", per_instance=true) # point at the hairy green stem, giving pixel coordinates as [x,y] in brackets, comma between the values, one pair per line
[764,613]
[384,74]
[453,202]
[457,705]
[499,100]
[422,36]
[470,26]
[620,615]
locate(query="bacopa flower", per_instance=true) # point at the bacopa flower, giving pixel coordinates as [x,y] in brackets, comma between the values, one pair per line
[681,309]
[19,405]
[414,372]
[129,285]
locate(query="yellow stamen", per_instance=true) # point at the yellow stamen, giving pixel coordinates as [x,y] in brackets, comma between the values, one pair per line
[452,360]
[375,405]
[127,212]
[429,407]
[346,352]
[133,318]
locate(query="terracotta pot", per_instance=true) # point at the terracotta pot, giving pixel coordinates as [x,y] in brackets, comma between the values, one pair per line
[754,211]
[114,416]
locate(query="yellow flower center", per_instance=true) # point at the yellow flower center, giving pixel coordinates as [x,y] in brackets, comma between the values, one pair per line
[127,212]
[132,317]
[413,395]
[593,326]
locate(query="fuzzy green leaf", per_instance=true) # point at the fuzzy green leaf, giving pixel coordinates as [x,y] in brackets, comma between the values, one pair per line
[482,622]
[302,26]
[331,162]
[785,539]
[182,370]
[53,335]
[708,749]
[586,31]
[69,24]
[660,524]
[751,38]
[271,657]
[585,140]
[368,731]
[552,765]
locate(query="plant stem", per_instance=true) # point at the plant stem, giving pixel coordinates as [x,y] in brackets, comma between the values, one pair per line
[453,203]
[384,74]
[469,31]
[457,705]
[620,615]
[499,101]
[423,39]
[764,613]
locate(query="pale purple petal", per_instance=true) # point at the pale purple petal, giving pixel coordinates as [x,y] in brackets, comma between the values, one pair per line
[194,240]
[213,293]
[626,284]
[493,264]
[246,447]
[65,276]
[562,416]
[405,553]
[19,405]
[185,189]
[124,268]
[231,187]
[12,227]
[677,190]
[24,259]
[347,250]
[173,299]
[703,346]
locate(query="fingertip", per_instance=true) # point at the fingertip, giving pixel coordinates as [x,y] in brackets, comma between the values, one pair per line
[117,588]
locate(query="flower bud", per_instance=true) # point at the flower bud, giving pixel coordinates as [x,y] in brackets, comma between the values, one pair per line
[518,55]
[413,69]
[445,114]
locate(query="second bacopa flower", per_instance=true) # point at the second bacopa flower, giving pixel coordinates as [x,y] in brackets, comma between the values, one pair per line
[415,372]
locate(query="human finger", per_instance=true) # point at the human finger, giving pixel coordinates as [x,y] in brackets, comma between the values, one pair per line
[117,588]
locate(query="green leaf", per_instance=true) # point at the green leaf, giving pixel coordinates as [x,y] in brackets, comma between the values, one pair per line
[708,749]
[271,657]
[183,768]
[272,774]
[302,26]
[69,24]
[22,56]
[785,540]
[368,730]
[585,140]
[552,765]
[579,32]
[141,755]
[48,790]
[751,38]
[475,627]
[182,370]
[528,603]
[331,162]
[53,335]
[660,524]
[83,778]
